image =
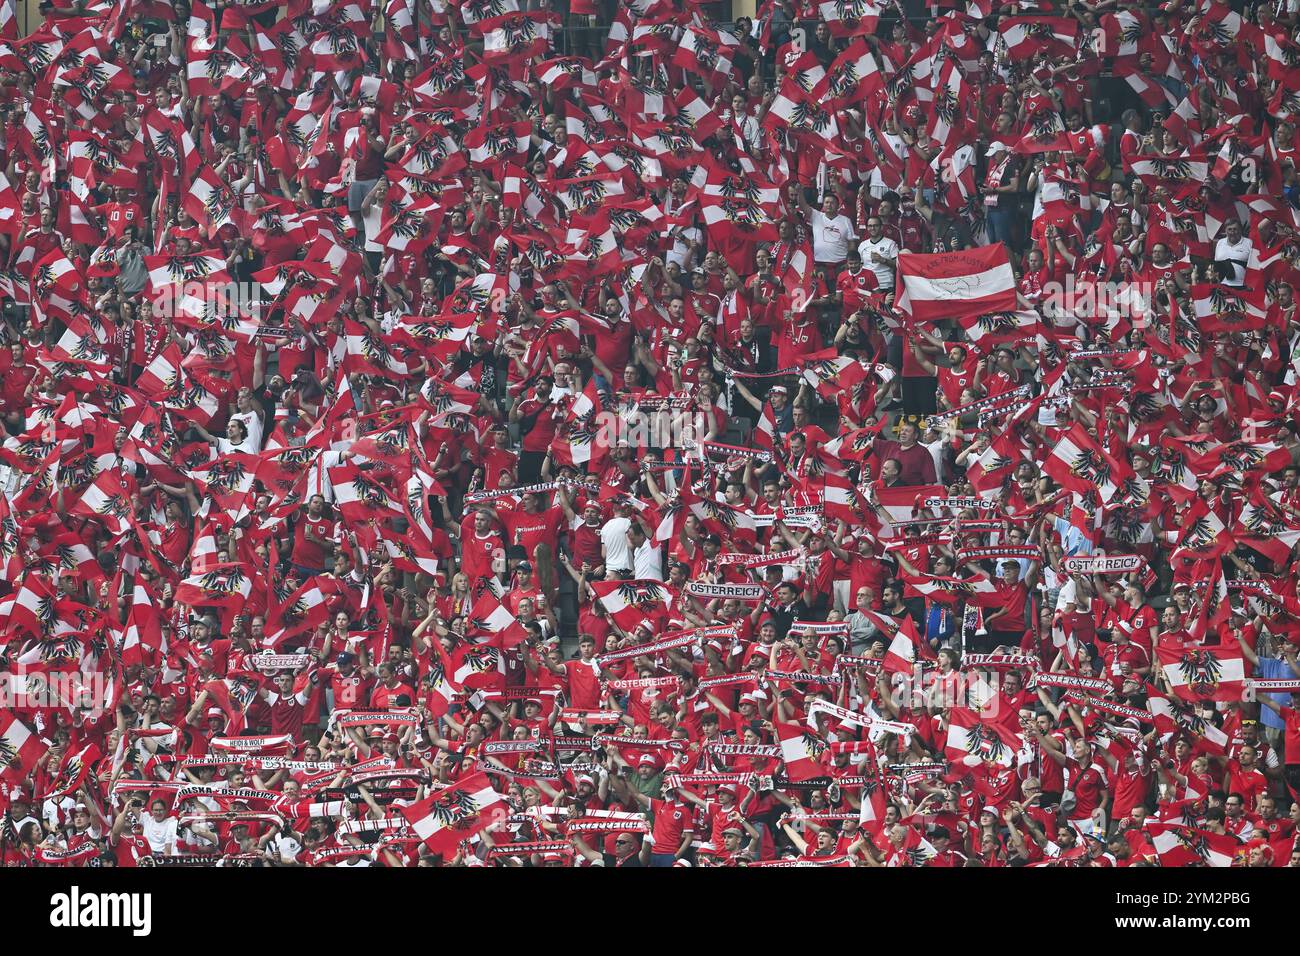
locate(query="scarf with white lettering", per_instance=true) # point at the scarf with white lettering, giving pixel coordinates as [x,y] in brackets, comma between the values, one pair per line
[1102,563]
[743,750]
[820,627]
[474,497]
[736,451]
[1105,706]
[1000,661]
[529,848]
[992,404]
[749,593]
[677,780]
[528,772]
[225,796]
[591,824]
[639,743]
[1071,682]
[727,680]
[641,683]
[874,724]
[747,561]
[995,551]
[957,503]
[377,718]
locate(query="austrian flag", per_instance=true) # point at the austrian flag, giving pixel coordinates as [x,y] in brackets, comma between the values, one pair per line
[1205,673]
[20,748]
[629,602]
[969,736]
[1184,846]
[456,813]
[801,751]
[225,585]
[953,285]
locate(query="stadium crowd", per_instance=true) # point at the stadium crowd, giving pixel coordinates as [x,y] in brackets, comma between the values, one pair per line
[487,434]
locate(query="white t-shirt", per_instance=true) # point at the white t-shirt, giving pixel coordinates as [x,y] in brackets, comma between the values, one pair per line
[252,425]
[648,562]
[1239,254]
[1067,595]
[884,247]
[613,537]
[226,447]
[831,237]
[372,222]
[160,835]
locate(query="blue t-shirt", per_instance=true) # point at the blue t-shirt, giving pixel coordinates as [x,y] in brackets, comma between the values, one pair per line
[1272,668]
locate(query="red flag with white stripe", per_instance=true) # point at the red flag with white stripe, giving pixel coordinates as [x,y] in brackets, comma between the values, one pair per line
[801,751]
[971,736]
[20,749]
[950,285]
[629,602]
[456,813]
[1186,846]
[1205,673]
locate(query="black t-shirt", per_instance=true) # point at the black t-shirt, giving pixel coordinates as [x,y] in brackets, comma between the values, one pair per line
[783,616]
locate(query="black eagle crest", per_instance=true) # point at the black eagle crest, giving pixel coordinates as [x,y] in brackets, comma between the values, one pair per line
[706,53]
[1170,168]
[8,755]
[1240,456]
[843,81]
[643,597]
[455,809]
[1192,841]
[115,506]
[1200,671]
[992,322]
[810,117]
[370,492]
[946,106]
[981,740]
[1091,467]
[222,582]
[188,268]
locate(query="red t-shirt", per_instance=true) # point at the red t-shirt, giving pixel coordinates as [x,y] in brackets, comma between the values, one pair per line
[310,554]
[1291,717]
[540,436]
[1014,597]
[351,691]
[1131,790]
[1088,786]
[584,685]
[117,216]
[476,553]
[530,530]
[671,822]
